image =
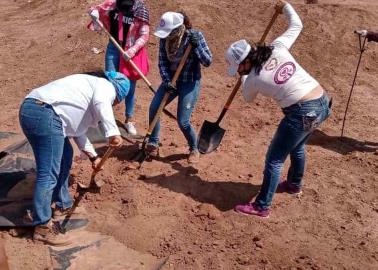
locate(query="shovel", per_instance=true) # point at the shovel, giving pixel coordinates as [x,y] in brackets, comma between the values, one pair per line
[94,185]
[211,134]
[97,183]
[127,59]
[141,156]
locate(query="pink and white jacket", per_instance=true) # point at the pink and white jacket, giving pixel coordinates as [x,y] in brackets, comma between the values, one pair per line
[136,39]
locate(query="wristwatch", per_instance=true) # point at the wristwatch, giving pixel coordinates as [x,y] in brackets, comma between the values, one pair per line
[93,159]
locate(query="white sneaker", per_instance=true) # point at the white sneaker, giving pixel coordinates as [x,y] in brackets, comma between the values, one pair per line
[130,128]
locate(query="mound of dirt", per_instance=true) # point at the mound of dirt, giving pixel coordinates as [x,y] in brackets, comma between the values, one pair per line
[168,209]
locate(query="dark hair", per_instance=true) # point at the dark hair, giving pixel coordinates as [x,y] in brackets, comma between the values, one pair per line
[97,73]
[187,22]
[259,55]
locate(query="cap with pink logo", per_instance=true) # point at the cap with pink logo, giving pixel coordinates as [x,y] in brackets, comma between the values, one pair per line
[168,22]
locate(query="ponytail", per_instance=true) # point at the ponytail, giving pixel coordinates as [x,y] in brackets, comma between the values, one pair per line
[187,22]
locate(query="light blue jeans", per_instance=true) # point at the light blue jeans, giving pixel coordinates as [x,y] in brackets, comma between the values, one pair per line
[112,58]
[53,155]
[300,121]
[187,93]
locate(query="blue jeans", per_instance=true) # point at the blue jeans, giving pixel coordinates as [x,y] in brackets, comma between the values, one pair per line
[53,155]
[187,93]
[300,121]
[112,58]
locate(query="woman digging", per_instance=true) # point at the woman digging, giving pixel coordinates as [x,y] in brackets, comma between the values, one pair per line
[272,71]
[52,114]
[128,22]
[176,33]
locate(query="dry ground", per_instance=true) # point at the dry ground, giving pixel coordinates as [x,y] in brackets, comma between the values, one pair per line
[171,210]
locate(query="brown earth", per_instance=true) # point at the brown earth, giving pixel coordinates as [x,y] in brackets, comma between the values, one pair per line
[168,209]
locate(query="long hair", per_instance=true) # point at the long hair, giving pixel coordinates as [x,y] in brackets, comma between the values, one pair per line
[187,22]
[258,55]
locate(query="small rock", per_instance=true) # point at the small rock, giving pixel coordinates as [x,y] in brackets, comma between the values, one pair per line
[256,239]
[69,36]
[259,245]
[243,260]
[96,50]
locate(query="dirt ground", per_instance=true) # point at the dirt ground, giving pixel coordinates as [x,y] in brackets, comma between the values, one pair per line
[185,214]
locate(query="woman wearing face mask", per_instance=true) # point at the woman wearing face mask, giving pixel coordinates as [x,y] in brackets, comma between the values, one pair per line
[128,23]
[175,33]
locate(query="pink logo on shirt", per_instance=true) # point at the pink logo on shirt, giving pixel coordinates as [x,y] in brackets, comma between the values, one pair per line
[284,73]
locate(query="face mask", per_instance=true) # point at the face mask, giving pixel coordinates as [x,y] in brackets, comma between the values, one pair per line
[125,5]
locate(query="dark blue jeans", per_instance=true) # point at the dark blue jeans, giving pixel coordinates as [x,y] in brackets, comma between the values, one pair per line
[53,155]
[300,121]
[187,93]
[112,58]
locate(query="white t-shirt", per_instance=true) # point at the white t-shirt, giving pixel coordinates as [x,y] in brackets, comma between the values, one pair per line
[81,101]
[281,77]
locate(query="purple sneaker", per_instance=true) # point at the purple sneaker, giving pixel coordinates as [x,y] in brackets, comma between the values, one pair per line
[252,209]
[286,187]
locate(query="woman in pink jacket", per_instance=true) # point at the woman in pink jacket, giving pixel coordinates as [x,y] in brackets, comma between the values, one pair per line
[128,23]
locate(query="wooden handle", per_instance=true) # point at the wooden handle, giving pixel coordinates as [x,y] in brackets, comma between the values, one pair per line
[239,83]
[98,22]
[166,95]
[267,29]
[103,160]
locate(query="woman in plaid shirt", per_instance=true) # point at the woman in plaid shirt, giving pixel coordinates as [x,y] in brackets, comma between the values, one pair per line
[128,23]
[175,33]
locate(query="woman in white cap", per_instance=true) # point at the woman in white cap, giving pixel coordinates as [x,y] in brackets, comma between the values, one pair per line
[129,23]
[272,71]
[49,116]
[176,33]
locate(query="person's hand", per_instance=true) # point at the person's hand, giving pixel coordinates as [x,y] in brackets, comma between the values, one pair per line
[194,38]
[362,33]
[115,141]
[280,5]
[95,164]
[95,15]
[170,88]
[126,57]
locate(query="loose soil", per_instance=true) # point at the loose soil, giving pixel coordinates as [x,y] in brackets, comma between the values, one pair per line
[171,210]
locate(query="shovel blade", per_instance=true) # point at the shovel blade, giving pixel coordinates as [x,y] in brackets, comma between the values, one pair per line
[210,137]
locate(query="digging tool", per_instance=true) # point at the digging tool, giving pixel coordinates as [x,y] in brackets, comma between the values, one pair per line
[127,59]
[362,44]
[94,185]
[141,156]
[211,134]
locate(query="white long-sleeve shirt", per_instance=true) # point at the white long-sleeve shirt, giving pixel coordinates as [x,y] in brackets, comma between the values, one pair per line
[281,77]
[81,101]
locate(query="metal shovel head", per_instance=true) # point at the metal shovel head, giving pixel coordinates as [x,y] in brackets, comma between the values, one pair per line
[210,137]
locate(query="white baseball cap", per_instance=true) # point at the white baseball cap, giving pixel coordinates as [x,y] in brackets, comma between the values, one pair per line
[168,22]
[236,54]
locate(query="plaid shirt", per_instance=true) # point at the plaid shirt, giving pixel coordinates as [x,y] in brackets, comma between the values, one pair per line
[192,68]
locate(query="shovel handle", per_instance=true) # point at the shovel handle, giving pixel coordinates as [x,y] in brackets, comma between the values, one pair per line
[98,22]
[166,95]
[238,83]
[267,29]
[103,160]
[229,101]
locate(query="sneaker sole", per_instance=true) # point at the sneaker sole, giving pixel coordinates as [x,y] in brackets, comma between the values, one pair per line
[245,214]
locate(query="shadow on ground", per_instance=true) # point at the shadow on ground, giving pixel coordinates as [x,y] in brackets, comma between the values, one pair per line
[223,195]
[343,145]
